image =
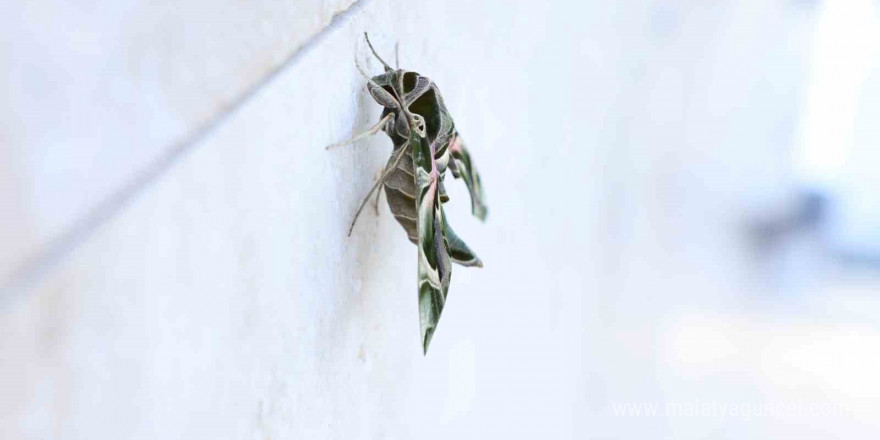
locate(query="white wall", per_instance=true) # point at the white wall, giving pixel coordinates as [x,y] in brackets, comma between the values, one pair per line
[100,95]
[215,294]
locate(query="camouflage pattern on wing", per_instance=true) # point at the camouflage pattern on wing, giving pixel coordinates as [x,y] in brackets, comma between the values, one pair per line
[461,166]
[434,264]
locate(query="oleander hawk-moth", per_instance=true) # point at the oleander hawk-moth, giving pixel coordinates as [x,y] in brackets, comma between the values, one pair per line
[426,144]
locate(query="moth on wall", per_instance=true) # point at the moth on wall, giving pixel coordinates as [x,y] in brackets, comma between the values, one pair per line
[426,144]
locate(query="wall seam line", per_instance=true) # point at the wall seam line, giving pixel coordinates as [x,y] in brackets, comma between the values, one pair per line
[39,266]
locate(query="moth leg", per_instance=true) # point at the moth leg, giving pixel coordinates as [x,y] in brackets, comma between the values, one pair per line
[376,185]
[376,202]
[378,194]
[373,130]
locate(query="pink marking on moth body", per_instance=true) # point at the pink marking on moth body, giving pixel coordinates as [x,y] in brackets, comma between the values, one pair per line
[455,144]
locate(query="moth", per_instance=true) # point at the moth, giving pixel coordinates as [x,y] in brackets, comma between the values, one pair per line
[426,144]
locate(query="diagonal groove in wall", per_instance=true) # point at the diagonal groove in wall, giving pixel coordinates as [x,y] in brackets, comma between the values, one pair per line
[52,254]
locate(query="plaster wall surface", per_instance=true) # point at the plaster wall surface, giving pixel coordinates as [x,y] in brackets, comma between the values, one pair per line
[99,96]
[619,144]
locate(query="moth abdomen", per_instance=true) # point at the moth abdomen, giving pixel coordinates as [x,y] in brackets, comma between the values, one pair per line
[400,192]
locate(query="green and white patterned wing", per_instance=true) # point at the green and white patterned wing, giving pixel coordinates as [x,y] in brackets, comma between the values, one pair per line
[461,166]
[434,265]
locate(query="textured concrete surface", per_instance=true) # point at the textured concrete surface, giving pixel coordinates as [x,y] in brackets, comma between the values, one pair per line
[619,145]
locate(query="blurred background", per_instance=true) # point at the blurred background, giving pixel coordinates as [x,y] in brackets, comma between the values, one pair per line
[682,238]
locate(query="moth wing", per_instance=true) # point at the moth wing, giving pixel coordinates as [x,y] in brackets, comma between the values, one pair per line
[459,250]
[439,246]
[462,167]
[434,264]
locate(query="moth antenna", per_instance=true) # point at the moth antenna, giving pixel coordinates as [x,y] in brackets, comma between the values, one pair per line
[397,55]
[361,69]
[357,63]
[387,67]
